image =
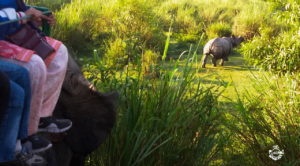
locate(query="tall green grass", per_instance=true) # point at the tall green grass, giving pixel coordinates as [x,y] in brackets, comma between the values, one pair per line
[267,117]
[171,120]
[277,48]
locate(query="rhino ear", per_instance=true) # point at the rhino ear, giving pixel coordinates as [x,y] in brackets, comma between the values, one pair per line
[232,36]
[241,38]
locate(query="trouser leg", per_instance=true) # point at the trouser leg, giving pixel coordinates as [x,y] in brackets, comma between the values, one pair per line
[20,76]
[46,83]
[37,73]
[10,125]
[55,76]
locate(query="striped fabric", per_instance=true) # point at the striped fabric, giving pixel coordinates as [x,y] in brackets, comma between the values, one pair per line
[12,51]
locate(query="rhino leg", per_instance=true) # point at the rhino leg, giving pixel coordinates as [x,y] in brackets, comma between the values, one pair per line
[214,61]
[204,60]
[222,62]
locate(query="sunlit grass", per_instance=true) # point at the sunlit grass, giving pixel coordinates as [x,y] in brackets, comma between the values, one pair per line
[182,114]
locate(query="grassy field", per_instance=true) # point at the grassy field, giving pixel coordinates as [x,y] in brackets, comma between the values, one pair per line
[235,76]
[171,111]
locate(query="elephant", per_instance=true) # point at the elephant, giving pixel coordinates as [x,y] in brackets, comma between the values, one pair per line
[220,48]
[93,115]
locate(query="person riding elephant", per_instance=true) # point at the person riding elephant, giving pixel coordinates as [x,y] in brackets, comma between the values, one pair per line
[46,73]
[16,146]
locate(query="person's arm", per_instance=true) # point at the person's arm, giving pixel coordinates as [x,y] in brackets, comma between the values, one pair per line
[37,16]
[6,15]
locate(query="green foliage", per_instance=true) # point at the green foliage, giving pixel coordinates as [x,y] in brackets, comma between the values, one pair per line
[277,49]
[116,53]
[279,55]
[166,116]
[52,4]
[149,63]
[168,121]
[187,25]
[249,20]
[212,11]
[269,117]
[218,30]
[99,72]
[105,25]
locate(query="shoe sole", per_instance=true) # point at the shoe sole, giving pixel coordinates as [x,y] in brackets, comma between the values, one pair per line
[54,129]
[41,149]
[36,161]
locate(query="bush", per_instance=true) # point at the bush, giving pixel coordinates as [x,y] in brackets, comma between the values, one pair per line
[166,121]
[99,24]
[279,55]
[268,117]
[218,30]
[184,15]
[52,4]
[249,20]
[150,63]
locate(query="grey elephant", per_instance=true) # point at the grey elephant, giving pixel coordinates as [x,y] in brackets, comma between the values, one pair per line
[93,115]
[220,48]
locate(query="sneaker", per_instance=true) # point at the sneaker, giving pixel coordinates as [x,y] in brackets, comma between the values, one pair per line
[53,125]
[35,144]
[29,159]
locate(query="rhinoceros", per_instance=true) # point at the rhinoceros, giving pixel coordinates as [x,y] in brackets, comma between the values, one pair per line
[93,115]
[220,48]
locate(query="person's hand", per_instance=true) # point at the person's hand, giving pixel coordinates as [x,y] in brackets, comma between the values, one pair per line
[37,16]
[51,19]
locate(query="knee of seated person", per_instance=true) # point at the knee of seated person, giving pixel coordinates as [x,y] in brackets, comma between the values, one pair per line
[38,63]
[63,50]
[61,58]
[17,95]
[24,72]
[37,68]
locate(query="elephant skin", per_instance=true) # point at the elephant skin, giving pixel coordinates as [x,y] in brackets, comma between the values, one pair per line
[220,48]
[93,115]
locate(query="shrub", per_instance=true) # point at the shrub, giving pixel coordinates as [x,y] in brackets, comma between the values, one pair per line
[98,24]
[150,63]
[219,29]
[187,24]
[166,121]
[116,54]
[52,4]
[268,117]
[250,18]
[279,55]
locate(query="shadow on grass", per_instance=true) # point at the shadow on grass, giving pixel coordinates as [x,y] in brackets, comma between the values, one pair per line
[236,62]
[239,68]
[214,82]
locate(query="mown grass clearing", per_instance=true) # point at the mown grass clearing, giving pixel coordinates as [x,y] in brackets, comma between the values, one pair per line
[233,76]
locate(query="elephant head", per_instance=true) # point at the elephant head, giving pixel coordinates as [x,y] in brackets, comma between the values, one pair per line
[93,115]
